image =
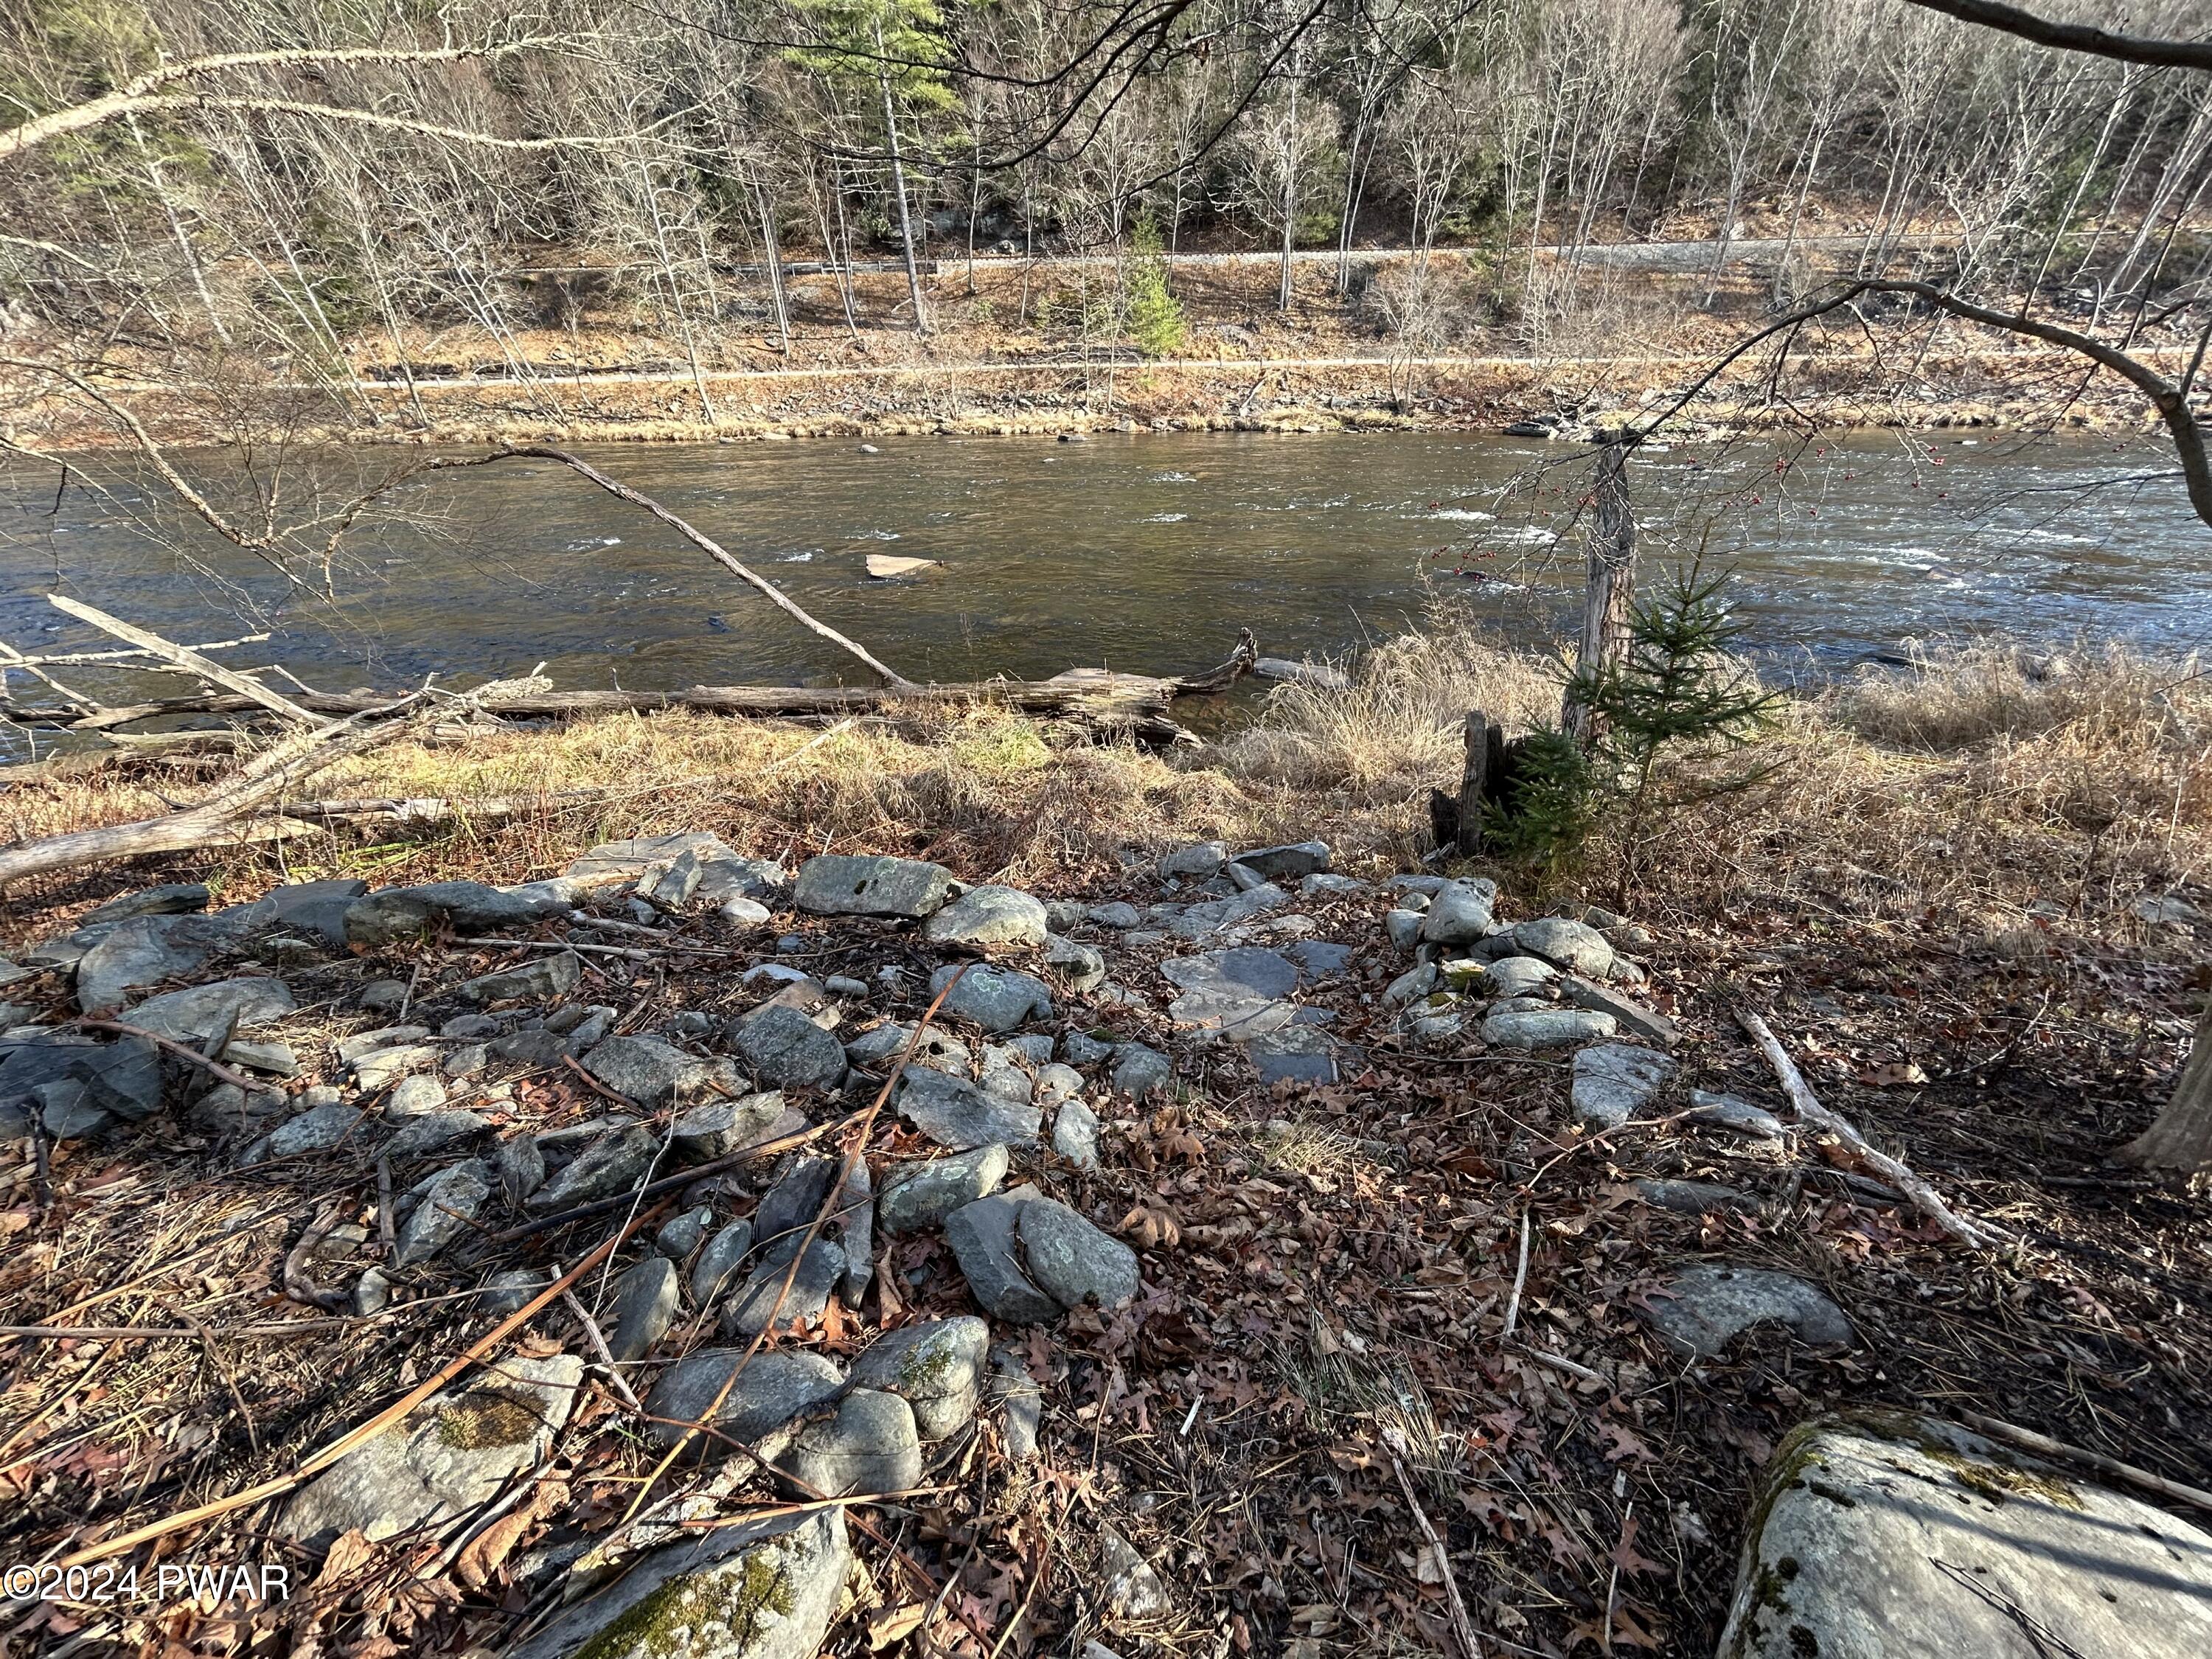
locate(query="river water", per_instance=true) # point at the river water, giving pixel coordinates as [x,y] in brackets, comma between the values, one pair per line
[1145,553]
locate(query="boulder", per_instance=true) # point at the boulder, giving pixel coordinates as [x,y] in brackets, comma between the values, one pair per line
[319,1129]
[317,908]
[1201,860]
[204,1016]
[1081,1048]
[1550,1028]
[270,1059]
[1904,1536]
[412,1097]
[959,1115]
[145,951]
[510,1290]
[1698,1310]
[646,1070]
[773,1387]
[681,1234]
[762,1590]
[990,918]
[1118,916]
[1459,913]
[838,885]
[1574,946]
[869,1444]
[791,1204]
[520,1166]
[457,1450]
[433,1131]
[1288,863]
[397,914]
[1403,928]
[785,1049]
[641,1307]
[445,1208]
[996,999]
[936,1367]
[1613,1083]
[1027,1257]
[918,1196]
[540,979]
[1512,976]
[615,1163]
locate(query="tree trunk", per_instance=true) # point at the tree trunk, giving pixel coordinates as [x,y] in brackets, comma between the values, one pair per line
[898,189]
[2181,1137]
[1611,594]
[772,251]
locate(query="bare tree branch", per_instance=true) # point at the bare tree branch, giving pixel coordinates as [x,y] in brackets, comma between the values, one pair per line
[2076,37]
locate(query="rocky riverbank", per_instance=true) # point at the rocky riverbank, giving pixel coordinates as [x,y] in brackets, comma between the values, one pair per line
[1148,1269]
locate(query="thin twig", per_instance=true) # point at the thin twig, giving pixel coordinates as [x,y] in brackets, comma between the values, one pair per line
[1520,1279]
[597,1337]
[1393,1442]
[214,1069]
[2029,1440]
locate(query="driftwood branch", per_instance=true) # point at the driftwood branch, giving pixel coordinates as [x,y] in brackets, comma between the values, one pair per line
[185,657]
[1810,1110]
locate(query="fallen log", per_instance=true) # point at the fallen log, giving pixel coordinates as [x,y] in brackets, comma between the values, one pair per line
[1098,697]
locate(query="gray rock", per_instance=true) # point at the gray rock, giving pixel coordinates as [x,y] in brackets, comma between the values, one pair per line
[383,995]
[837,885]
[774,1387]
[1411,986]
[270,1059]
[456,1451]
[762,1590]
[1079,967]
[919,1196]
[1404,928]
[1691,1197]
[447,1206]
[1233,993]
[351,1048]
[170,899]
[1056,1083]
[123,1077]
[63,951]
[1072,1261]
[1139,1071]
[852,1224]
[1572,944]
[741,912]
[226,1112]
[877,1043]
[413,1097]
[719,1261]
[1733,1112]
[1002,1076]
[682,1234]
[1203,920]
[719,1127]
[466,1060]
[1459,913]
[321,1130]
[959,1115]
[1323,884]
[986,1243]
[510,1290]
[1546,1028]
[643,1306]
[1201,860]
[1699,1309]
[397,914]
[1288,863]
[145,951]
[936,1367]
[433,1131]
[1075,1133]
[205,1016]
[520,1166]
[870,1445]
[1515,976]
[316,908]
[791,1204]
[1319,959]
[1080,1049]
[1613,1083]
[1118,916]
[845,987]
[757,1301]
[1134,1590]
[537,1049]
[1062,914]
[996,999]
[372,1293]
[990,918]
[540,979]
[381,1066]
[644,1069]
[1892,1535]
[1436,1022]
[616,1163]
[787,1050]
[66,1110]
[670,886]
[1033,1049]
[1629,1016]
[1020,1402]
[1295,1054]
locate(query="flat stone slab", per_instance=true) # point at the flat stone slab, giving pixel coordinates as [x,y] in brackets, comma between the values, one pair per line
[1235,992]
[208,1014]
[1629,1016]
[397,915]
[918,1196]
[763,1590]
[1288,862]
[145,951]
[1699,1309]
[959,1116]
[1614,1081]
[1555,1028]
[456,1450]
[996,999]
[835,884]
[1906,1537]
[1295,1054]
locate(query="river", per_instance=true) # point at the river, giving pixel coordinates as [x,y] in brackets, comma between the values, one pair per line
[1145,553]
